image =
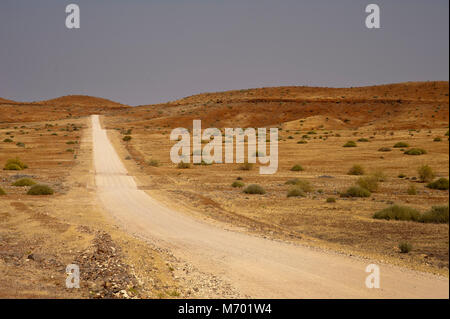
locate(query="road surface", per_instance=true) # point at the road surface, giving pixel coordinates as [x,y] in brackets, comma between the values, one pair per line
[257,267]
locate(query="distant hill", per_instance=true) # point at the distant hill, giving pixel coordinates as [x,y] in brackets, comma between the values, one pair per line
[81,100]
[6,101]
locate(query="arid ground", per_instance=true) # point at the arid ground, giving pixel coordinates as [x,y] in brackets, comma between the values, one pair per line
[40,235]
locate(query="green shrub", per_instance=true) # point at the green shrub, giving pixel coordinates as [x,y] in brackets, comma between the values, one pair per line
[295,192]
[362,139]
[183,165]
[441,184]
[2,192]
[437,139]
[304,185]
[446,133]
[8,140]
[126,138]
[368,182]
[426,173]
[379,175]
[40,190]
[396,212]
[20,144]
[297,168]
[331,200]
[237,184]
[24,182]
[246,166]
[70,142]
[153,162]
[412,190]
[350,144]
[401,145]
[437,214]
[401,175]
[254,189]
[302,142]
[415,151]
[384,149]
[15,164]
[356,170]
[405,247]
[356,191]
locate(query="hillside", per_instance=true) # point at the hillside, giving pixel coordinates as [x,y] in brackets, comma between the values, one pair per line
[393,106]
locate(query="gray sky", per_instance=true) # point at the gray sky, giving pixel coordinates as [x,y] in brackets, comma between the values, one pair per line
[151,51]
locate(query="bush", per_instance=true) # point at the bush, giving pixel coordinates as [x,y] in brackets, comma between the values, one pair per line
[405,247]
[70,142]
[153,162]
[246,166]
[384,149]
[237,184]
[368,182]
[302,142]
[437,214]
[401,145]
[401,175]
[356,191]
[2,192]
[412,190]
[437,139]
[8,140]
[331,200]
[379,176]
[362,139]
[415,151]
[24,182]
[350,144]
[297,168]
[441,184]
[20,144]
[126,138]
[184,165]
[396,212]
[296,192]
[254,189]
[426,173]
[40,190]
[304,185]
[15,165]
[356,170]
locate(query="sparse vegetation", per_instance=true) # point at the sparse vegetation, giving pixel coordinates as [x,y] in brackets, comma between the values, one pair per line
[246,166]
[405,247]
[401,145]
[297,168]
[153,162]
[40,190]
[8,140]
[384,149]
[356,191]
[415,151]
[304,185]
[440,184]
[126,138]
[183,165]
[24,182]
[363,139]
[15,165]
[331,200]
[412,189]
[437,215]
[397,212]
[350,144]
[368,182]
[2,192]
[295,192]
[254,189]
[356,170]
[237,184]
[426,173]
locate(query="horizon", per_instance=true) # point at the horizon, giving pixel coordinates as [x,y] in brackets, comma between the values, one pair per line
[140,53]
[195,94]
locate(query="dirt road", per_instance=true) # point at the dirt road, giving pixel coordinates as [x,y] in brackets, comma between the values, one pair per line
[259,268]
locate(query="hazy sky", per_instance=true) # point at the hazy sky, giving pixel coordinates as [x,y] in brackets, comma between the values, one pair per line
[151,51]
